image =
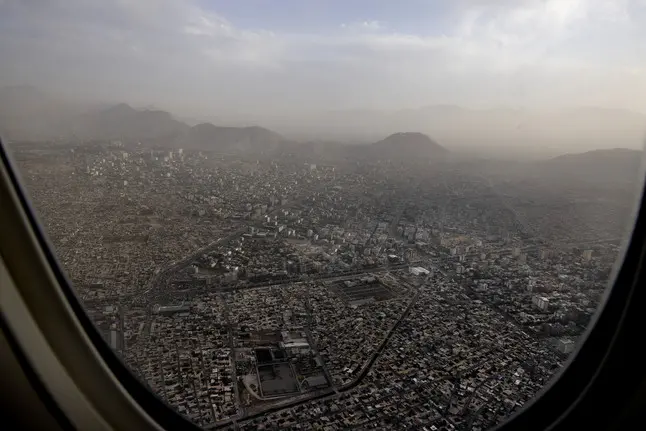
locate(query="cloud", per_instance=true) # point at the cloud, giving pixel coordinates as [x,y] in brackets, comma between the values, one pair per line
[371,25]
[223,42]
[184,55]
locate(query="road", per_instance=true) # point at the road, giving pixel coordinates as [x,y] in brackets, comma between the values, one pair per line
[234,371]
[312,341]
[284,282]
[382,346]
[160,280]
[153,282]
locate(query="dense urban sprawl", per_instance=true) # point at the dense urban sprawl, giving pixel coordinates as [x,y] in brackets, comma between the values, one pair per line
[284,293]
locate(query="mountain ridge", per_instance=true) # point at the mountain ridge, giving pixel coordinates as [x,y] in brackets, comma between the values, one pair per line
[408,146]
[596,167]
[27,113]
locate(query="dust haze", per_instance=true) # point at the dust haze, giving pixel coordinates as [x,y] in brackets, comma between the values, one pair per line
[332,214]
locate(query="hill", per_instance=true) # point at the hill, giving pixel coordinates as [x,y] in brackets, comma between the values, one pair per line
[518,133]
[29,114]
[207,136]
[408,146]
[597,167]
[126,123]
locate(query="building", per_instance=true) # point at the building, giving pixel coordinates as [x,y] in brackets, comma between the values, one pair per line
[541,302]
[531,284]
[418,270]
[587,255]
[294,343]
[169,310]
[114,340]
[565,346]
[317,381]
[232,275]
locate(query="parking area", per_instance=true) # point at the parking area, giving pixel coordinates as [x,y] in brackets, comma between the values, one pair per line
[360,291]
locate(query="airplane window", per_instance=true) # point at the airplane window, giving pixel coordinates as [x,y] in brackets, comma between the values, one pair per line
[332,215]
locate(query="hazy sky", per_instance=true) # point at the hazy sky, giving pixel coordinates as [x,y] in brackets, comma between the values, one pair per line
[260,56]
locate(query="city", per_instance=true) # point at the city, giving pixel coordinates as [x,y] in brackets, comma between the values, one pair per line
[284,291]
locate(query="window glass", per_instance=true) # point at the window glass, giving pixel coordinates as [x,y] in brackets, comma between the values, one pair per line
[332,215]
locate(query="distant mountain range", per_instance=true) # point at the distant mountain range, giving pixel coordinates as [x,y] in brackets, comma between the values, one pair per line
[231,139]
[599,167]
[398,147]
[407,145]
[617,168]
[126,123]
[500,132]
[29,114]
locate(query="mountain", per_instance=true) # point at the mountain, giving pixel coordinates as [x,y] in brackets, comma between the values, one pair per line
[398,147]
[207,136]
[407,146]
[159,127]
[600,168]
[511,133]
[126,123]
[29,114]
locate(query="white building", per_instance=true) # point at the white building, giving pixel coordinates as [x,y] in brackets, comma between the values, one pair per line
[295,343]
[418,270]
[565,346]
[541,302]
[113,339]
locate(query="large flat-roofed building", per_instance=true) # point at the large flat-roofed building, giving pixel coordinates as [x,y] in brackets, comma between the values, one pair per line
[172,309]
[317,381]
[418,270]
[296,348]
[295,343]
